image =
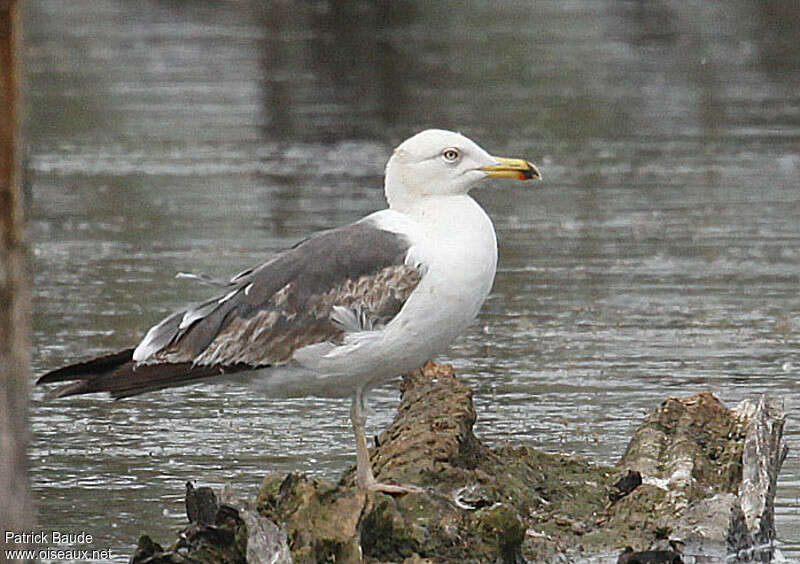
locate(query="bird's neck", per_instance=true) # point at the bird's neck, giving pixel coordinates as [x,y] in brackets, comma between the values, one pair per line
[424,206]
[447,217]
[411,199]
[400,197]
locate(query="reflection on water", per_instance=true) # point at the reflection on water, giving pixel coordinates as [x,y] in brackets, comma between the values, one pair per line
[659,257]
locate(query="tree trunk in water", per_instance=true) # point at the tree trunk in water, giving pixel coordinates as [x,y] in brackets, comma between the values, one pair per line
[16,509]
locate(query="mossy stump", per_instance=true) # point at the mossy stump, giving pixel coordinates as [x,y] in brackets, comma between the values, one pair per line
[696,479]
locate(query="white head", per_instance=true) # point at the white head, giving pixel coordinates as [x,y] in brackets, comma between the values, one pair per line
[436,162]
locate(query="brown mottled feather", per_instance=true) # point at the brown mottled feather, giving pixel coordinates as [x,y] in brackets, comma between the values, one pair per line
[273,334]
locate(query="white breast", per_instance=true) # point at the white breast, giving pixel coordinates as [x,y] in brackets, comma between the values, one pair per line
[460,251]
[453,241]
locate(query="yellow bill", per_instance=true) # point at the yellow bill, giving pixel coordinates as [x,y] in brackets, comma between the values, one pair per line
[513,168]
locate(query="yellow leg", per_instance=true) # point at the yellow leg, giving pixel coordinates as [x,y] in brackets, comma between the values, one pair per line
[364,477]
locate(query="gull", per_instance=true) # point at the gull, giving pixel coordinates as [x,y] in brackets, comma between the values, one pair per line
[342,311]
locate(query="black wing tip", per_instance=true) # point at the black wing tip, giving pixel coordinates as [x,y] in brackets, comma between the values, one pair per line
[117,375]
[75,389]
[84,369]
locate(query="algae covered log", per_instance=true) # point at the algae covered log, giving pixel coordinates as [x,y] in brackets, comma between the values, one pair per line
[696,481]
[709,477]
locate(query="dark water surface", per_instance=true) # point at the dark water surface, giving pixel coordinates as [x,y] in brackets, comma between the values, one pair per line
[660,257]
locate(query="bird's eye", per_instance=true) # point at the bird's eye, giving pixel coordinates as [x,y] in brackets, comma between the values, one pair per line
[451,155]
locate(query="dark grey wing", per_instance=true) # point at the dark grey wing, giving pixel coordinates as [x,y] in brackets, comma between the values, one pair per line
[300,297]
[345,279]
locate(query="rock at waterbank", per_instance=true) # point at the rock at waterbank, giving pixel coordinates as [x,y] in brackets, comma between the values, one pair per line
[696,484]
[226,532]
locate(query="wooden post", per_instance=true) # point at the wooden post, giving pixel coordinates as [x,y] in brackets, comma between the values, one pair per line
[16,509]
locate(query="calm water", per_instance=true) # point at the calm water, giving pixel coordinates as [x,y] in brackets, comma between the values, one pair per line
[659,258]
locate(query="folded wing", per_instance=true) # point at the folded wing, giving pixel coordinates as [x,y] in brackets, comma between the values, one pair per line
[345,279]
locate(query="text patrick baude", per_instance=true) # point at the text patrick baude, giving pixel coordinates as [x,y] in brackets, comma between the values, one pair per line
[47,537]
[55,550]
